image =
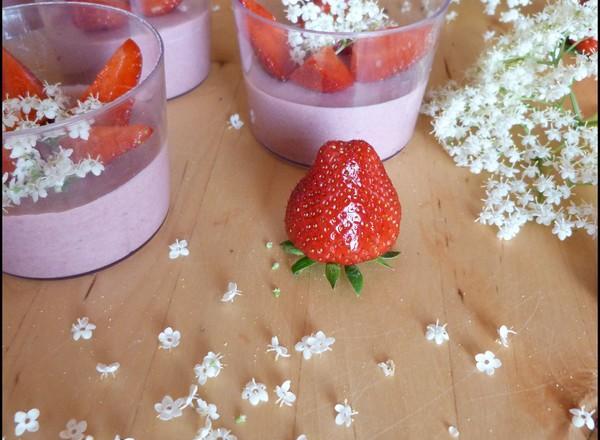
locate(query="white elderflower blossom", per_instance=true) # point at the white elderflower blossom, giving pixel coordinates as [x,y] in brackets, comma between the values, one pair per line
[255,392]
[487,362]
[82,329]
[284,395]
[518,120]
[436,332]
[317,343]
[210,367]
[344,414]
[503,332]
[330,16]
[582,417]
[235,121]
[178,249]
[231,293]
[388,367]
[74,430]
[33,174]
[168,408]
[26,421]
[279,350]
[105,370]
[169,338]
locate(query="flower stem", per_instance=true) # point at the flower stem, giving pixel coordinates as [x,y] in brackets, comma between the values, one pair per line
[575,105]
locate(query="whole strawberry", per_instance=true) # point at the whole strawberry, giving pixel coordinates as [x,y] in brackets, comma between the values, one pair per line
[345,211]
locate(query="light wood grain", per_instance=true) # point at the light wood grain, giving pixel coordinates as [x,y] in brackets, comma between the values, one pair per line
[228,199]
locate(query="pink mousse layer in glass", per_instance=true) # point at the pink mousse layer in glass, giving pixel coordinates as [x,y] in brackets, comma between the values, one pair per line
[58,243]
[294,122]
[186,36]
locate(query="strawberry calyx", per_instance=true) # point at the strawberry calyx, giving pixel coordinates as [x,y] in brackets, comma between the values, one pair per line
[333,271]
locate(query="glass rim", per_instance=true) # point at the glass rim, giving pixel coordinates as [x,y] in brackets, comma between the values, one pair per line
[105,107]
[376,33]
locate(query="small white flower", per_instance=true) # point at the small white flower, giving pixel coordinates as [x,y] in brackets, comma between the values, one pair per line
[344,414]
[231,293]
[453,431]
[302,437]
[582,417]
[279,350]
[388,367]
[487,362]
[503,332]
[451,16]
[284,395]
[118,437]
[169,338]
[83,328]
[210,367]
[316,343]
[79,130]
[241,419]
[47,108]
[205,431]
[105,370]
[168,408]
[221,434]
[235,121]
[206,409]
[26,421]
[255,393]
[436,332]
[178,249]
[75,430]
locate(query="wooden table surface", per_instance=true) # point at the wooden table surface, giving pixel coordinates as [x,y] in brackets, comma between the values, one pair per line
[228,199]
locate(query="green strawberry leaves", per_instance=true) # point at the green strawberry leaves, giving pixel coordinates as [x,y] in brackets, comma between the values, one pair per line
[289,248]
[302,264]
[355,278]
[333,272]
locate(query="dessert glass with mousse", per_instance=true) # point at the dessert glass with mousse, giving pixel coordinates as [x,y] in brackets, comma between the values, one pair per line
[336,69]
[84,157]
[184,26]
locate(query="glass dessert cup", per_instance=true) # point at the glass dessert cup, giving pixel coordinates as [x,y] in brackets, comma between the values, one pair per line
[307,87]
[184,26]
[64,218]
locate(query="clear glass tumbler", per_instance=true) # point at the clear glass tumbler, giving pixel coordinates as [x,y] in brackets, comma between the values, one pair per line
[83,192]
[184,26]
[306,87]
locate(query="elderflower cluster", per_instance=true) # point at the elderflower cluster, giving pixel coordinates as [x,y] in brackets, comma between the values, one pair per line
[518,120]
[330,16]
[35,173]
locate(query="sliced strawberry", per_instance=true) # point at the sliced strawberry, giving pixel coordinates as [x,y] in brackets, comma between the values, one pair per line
[18,80]
[90,19]
[377,58]
[324,72]
[269,43]
[588,46]
[8,166]
[107,142]
[152,8]
[120,74]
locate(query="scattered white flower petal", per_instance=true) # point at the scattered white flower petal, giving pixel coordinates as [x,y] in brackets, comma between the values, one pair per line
[388,367]
[205,431]
[302,437]
[451,16]
[178,249]
[118,437]
[26,421]
[221,434]
[269,244]
[105,370]
[344,414]
[83,328]
[241,419]
[231,293]
[168,408]
[210,367]
[275,266]
[276,292]
[487,362]
[235,121]
[316,343]
[206,409]
[503,332]
[75,430]
[279,350]
[581,418]
[436,332]
[284,395]
[169,338]
[255,393]
[454,433]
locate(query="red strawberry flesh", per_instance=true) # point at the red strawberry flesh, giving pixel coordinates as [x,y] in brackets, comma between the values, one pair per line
[345,210]
[18,80]
[153,8]
[323,71]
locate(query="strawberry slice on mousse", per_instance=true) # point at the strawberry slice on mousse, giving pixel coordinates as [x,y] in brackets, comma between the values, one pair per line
[93,20]
[324,71]
[269,43]
[18,80]
[154,8]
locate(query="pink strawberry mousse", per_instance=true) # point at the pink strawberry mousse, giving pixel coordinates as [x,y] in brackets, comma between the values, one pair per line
[185,32]
[94,222]
[294,122]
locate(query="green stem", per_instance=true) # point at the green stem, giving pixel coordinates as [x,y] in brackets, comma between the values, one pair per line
[575,105]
